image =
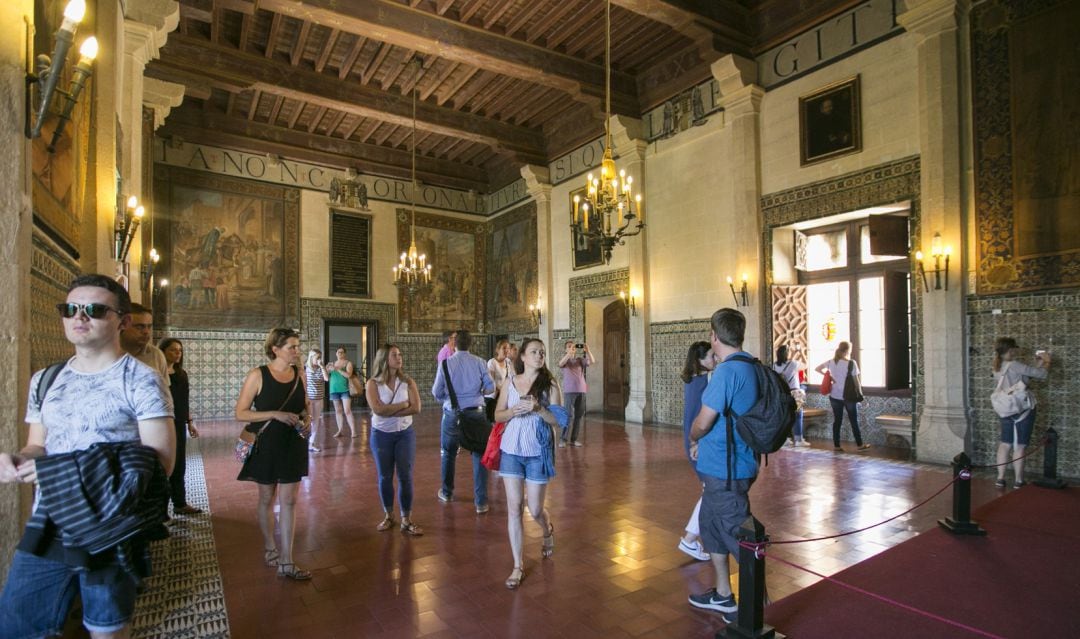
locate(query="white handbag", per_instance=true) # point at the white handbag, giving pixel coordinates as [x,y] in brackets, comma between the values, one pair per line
[1011,401]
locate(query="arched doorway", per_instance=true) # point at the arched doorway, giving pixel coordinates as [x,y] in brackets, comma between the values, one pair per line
[616,358]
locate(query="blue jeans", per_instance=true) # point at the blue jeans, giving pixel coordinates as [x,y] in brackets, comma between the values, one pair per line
[449,441]
[838,407]
[39,593]
[394,451]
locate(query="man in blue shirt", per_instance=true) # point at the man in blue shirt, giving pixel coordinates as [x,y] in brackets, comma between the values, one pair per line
[725,503]
[471,380]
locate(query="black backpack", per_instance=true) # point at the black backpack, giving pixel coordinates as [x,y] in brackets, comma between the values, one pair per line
[768,423]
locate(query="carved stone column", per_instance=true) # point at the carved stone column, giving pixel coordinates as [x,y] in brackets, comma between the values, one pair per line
[740,192]
[629,141]
[15,241]
[936,25]
[538,183]
[146,27]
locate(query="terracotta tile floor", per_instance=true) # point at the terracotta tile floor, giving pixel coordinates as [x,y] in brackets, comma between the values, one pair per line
[618,505]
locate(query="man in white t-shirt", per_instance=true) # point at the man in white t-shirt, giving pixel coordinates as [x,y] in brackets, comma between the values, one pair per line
[102,394]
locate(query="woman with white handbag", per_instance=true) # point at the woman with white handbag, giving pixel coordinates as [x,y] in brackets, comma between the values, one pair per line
[1014,405]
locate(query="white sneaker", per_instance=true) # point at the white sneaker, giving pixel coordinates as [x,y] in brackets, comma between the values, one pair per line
[695,550]
[802,442]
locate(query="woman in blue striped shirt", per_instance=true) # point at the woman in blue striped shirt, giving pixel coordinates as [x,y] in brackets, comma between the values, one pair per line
[529,440]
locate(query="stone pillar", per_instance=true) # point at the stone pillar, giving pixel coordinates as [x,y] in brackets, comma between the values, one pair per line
[145,29]
[629,141]
[538,183]
[935,24]
[739,195]
[15,240]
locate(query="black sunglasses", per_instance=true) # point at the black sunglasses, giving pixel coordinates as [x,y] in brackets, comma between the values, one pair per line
[92,310]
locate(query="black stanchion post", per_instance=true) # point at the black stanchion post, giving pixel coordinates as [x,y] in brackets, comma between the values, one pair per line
[960,523]
[750,619]
[1050,478]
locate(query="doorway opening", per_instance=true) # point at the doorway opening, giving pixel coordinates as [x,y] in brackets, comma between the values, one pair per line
[360,338]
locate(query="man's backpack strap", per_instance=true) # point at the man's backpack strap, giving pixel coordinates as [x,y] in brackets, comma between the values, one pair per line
[48,376]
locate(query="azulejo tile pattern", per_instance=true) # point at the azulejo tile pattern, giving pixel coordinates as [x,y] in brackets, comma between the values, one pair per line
[1048,321]
[51,271]
[216,362]
[670,341]
[594,285]
[184,597]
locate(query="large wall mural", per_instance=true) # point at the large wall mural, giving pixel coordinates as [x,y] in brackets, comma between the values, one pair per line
[230,250]
[455,249]
[1027,161]
[511,270]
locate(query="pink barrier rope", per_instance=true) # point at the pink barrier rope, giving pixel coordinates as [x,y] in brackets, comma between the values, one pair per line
[759,550]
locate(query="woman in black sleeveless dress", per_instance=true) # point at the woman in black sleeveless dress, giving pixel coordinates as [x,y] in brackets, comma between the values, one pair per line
[180,388]
[273,402]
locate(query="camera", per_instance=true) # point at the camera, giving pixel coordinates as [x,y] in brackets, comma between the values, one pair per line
[579,345]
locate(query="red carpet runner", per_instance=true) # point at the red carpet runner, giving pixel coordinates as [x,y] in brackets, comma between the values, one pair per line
[1021,580]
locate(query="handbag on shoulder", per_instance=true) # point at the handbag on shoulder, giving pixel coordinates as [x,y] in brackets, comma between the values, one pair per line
[852,387]
[247,441]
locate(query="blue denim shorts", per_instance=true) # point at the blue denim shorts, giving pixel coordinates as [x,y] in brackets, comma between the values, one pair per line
[39,593]
[1023,428]
[337,396]
[531,469]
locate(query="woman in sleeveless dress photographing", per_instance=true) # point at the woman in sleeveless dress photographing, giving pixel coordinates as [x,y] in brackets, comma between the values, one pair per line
[394,399]
[528,448]
[273,402]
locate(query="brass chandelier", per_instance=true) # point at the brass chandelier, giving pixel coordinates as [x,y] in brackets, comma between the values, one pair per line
[412,275]
[611,194]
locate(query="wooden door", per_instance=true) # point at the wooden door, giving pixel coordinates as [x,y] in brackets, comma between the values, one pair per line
[616,358]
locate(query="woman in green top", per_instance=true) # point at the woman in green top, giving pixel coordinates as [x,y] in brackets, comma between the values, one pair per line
[338,373]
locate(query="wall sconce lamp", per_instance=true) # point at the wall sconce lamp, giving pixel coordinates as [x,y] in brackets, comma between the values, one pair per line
[534,313]
[50,68]
[940,272]
[740,295]
[149,265]
[160,287]
[127,224]
[630,301]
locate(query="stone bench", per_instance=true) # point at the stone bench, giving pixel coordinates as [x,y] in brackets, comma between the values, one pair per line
[895,425]
[815,418]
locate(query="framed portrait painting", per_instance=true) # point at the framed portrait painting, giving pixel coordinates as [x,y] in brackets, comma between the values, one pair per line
[230,250]
[830,123]
[586,253]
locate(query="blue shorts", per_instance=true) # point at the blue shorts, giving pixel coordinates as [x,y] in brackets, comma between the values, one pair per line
[39,593]
[336,396]
[531,469]
[1023,429]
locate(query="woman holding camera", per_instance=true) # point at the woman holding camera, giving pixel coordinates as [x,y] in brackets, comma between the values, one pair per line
[1015,429]
[575,360]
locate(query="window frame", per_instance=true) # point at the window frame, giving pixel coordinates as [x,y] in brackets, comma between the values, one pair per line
[852,273]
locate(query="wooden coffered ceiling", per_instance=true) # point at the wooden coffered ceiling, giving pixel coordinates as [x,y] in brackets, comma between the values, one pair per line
[502,82]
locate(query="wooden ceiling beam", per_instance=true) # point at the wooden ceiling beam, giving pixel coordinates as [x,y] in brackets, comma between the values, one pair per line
[462,81]
[370,124]
[391,78]
[316,119]
[271,38]
[554,14]
[279,101]
[496,12]
[592,14]
[254,106]
[328,46]
[300,44]
[387,132]
[219,130]
[350,59]
[335,123]
[442,6]
[252,72]
[430,34]
[470,9]
[434,86]
[245,32]
[352,128]
[375,62]
[297,112]
[718,27]
[523,18]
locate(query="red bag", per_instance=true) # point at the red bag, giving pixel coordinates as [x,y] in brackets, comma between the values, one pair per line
[490,459]
[826,383]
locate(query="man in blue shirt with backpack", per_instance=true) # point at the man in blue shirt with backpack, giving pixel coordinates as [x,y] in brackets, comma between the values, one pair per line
[727,466]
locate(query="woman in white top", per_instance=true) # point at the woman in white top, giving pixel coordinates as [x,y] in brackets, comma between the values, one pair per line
[838,368]
[316,392]
[789,370]
[498,368]
[1015,429]
[394,399]
[523,404]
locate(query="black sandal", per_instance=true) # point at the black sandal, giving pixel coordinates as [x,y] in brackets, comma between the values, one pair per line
[290,571]
[411,529]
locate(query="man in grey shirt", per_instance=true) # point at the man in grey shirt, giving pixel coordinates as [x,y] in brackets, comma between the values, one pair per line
[135,339]
[471,380]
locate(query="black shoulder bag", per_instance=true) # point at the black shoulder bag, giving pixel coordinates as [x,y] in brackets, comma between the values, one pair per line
[473,425]
[852,387]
